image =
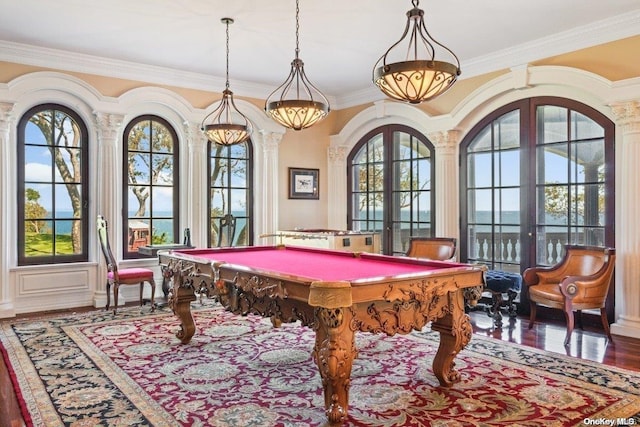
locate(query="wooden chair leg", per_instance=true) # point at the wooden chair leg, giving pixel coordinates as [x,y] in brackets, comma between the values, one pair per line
[605,323]
[141,292]
[153,294]
[108,296]
[568,314]
[532,315]
[115,297]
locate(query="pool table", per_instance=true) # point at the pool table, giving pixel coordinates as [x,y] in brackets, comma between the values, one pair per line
[336,293]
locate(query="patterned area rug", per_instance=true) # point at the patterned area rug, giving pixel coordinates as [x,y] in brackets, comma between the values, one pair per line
[94,369]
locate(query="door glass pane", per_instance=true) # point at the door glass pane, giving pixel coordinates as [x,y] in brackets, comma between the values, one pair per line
[551,241]
[582,127]
[507,244]
[508,165]
[479,167]
[507,131]
[554,206]
[552,163]
[507,206]
[482,141]
[551,124]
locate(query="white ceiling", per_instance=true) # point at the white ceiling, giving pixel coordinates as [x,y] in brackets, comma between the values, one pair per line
[182,42]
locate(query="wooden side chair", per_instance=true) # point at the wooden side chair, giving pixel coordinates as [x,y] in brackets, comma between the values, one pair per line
[226,230]
[124,276]
[436,248]
[580,281]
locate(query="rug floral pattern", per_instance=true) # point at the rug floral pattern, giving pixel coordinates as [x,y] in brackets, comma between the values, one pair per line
[94,369]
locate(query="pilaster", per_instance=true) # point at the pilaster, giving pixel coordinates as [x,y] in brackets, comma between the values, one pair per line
[628,230]
[7,121]
[109,200]
[446,167]
[194,184]
[337,192]
[267,185]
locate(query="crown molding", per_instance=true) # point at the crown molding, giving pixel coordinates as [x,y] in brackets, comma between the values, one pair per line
[593,34]
[617,27]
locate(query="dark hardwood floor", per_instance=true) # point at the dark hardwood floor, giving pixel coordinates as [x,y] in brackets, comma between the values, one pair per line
[588,344]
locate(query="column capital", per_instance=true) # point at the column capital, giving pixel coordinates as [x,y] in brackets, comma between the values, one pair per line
[270,140]
[6,115]
[109,125]
[627,115]
[338,154]
[446,142]
[195,136]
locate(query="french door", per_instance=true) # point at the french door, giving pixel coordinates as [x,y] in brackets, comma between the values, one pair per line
[536,174]
[391,176]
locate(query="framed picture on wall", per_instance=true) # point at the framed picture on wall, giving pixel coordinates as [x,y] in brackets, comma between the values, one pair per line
[303,183]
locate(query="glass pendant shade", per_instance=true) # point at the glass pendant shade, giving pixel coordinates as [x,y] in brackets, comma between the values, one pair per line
[415,80]
[223,129]
[228,125]
[297,104]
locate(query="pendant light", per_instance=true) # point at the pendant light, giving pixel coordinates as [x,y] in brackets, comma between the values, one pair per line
[299,103]
[416,80]
[224,129]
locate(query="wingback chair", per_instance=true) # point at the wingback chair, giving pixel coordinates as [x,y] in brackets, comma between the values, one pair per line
[124,276]
[580,281]
[437,248]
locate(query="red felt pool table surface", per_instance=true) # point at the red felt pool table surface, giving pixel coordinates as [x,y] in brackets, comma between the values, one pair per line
[321,265]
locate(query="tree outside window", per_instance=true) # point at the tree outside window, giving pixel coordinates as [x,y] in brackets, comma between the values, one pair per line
[230,193]
[151,184]
[52,188]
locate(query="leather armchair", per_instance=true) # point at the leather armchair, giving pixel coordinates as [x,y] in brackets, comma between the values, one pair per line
[580,281]
[436,248]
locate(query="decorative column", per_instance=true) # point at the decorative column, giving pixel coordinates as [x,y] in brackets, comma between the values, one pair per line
[193,210]
[337,191]
[628,230]
[6,122]
[267,187]
[447,188]
[109,200]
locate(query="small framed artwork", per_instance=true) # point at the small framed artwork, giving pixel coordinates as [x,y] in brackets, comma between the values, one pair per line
[303,183]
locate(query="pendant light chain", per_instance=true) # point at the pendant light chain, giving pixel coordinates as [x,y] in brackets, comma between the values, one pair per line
[227,83]
[297,28]
[225,129]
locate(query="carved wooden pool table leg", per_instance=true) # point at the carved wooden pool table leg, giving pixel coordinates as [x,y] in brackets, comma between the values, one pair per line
[334,352]
[455,333]
[181,306]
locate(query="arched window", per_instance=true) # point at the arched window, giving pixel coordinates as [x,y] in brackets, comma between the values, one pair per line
[536,174]
[150,185]
[230,193]
[53,184]
[391,181]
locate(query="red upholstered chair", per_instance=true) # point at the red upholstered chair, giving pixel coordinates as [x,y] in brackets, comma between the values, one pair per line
[124,276]
[436,248]
[580,281]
